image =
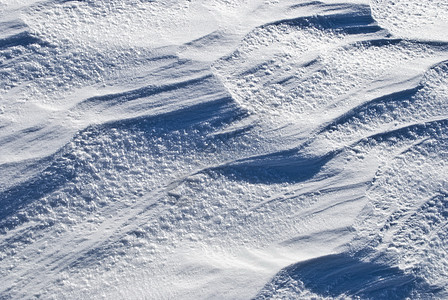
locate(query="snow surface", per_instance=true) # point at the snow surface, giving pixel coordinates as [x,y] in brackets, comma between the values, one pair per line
[224,149]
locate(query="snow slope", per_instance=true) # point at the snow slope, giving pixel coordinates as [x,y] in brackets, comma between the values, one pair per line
[225,149]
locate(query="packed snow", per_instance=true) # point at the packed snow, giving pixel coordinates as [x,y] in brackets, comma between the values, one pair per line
[223,149]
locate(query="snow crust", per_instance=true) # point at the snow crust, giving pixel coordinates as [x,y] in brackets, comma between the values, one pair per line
[223,149]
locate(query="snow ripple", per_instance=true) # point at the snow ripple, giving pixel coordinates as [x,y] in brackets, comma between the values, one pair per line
[166,149]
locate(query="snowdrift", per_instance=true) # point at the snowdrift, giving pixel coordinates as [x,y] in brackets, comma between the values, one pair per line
[223,149]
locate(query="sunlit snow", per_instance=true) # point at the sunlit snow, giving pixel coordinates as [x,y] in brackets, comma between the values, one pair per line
[223,149]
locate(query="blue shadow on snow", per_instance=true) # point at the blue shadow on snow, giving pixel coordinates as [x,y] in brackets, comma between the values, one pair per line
[342,275]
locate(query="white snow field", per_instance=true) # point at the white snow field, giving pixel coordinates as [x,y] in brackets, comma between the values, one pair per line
[223,149]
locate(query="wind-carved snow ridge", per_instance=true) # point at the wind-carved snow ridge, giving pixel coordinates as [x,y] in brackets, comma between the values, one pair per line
[342,276]
[223,149]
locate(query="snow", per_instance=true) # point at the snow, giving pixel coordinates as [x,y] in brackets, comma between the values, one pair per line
[224,149]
